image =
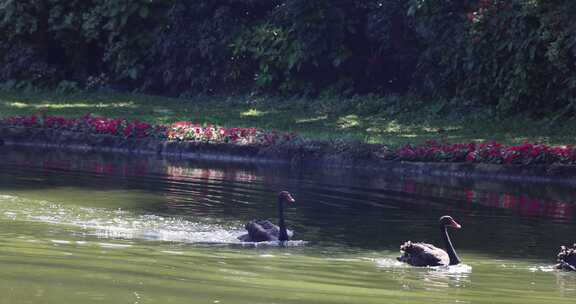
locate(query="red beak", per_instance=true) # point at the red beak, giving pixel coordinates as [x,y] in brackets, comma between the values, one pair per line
[454,224]
[289,198]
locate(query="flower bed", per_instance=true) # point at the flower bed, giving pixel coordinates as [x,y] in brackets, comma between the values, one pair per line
[179,131]
[211,139]
[490,153]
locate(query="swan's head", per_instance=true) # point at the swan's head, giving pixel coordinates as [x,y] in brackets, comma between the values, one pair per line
[448,221]
[286,196]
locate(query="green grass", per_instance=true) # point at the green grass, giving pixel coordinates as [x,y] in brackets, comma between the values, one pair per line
[393,120]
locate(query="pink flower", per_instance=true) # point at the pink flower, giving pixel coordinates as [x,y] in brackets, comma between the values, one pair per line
[470,157]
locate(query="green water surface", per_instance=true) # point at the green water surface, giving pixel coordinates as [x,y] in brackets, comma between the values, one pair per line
[92,228]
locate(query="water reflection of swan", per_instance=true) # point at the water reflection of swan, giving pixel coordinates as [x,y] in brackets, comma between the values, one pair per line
[264,230]
[566,283]
[448,276]
[422,254]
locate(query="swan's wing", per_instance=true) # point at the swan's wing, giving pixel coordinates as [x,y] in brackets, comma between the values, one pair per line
[567,258]
[260,231]
[423,254]
[272,229]
[268,226]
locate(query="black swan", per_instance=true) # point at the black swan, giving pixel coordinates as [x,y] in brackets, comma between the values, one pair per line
[567,258]
[422,254]
[264,230]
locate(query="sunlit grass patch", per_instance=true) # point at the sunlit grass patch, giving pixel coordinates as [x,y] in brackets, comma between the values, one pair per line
[16,104]
[22,105]
[388,120]
[348,121]
[253,113]
[312,119]
[408,135]
[392,127]
[163,111]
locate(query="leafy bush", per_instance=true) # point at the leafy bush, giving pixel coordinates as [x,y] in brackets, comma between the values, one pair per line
[74,39]
[341,46]
[192,50]
[176,47]
[517,55]
[513,55]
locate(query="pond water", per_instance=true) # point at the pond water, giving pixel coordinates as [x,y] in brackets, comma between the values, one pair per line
[96,228]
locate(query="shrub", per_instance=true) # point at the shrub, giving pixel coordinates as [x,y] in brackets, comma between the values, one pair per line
[517,55]
[512,55]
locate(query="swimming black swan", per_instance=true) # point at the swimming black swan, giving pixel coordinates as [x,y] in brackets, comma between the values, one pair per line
[422,254]
[567,258]
[264,230]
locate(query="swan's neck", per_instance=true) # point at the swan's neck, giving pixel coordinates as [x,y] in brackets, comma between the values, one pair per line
[283,236]
[454,259]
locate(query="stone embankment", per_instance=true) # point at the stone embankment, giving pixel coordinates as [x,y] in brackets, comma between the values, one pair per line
[320,154]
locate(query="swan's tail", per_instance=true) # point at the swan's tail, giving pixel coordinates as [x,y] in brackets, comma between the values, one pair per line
[407,246]
[406,250]
[567,258]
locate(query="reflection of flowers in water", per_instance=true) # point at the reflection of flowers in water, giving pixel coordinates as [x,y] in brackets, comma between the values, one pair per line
[181,183]
[182,173]
[133,168]
[522,204]
[207,176]
[527,206]
[142,166]
[202,186]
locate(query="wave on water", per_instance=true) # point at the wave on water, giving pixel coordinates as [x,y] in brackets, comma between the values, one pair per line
[434,278]
[389,263]
[542,268]
[452,269]
[122,224]
[292,243]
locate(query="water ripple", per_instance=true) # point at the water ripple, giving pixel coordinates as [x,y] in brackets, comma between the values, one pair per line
[118,224]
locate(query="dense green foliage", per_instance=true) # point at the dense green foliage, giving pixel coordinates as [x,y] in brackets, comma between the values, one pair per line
[518,55]
[511,54]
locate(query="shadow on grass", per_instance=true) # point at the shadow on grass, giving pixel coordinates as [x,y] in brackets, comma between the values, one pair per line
[371,120]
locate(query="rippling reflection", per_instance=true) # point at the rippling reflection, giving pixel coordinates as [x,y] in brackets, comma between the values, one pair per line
[180,179]
[87,228]
[117,224]
[566,283]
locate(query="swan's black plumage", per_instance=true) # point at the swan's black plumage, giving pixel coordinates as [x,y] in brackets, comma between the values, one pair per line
[422,254]
[567,258]
[264,230]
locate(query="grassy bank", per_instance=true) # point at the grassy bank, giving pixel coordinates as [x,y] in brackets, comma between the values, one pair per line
[391,120]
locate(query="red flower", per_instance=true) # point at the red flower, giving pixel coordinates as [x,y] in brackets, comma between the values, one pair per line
[470,157]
